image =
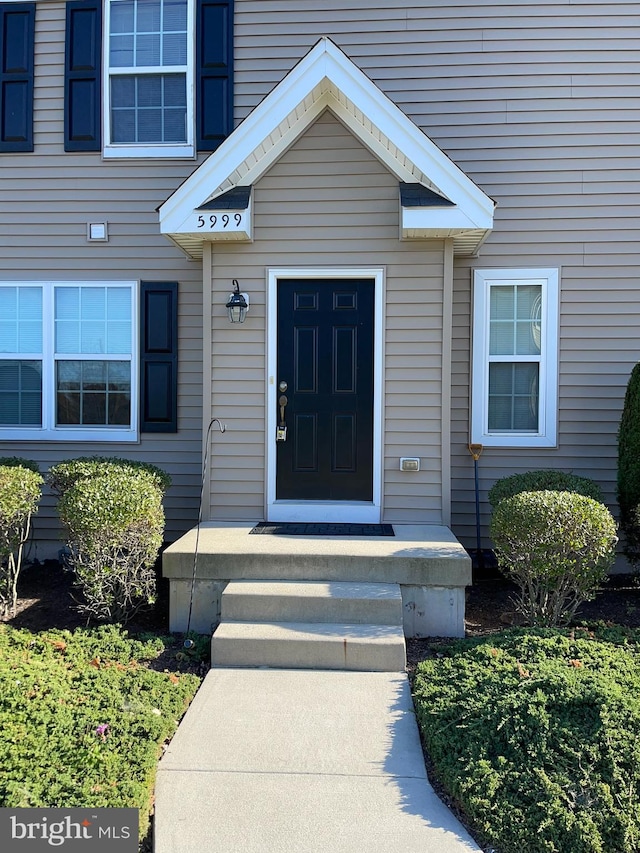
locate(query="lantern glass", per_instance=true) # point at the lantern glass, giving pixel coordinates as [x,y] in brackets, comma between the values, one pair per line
[238,305]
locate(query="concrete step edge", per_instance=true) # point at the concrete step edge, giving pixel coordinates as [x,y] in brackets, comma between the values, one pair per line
[359,589]
[355,630]
[303,601]
[306,645]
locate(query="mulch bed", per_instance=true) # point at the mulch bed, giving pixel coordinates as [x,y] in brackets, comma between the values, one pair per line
[46,600]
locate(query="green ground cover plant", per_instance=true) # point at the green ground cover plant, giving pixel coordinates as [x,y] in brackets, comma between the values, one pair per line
[534,733]
[83,717]
[19,462]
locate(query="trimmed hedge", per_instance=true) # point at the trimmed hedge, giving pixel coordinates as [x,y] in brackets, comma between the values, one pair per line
[115,521]
[557,547]
[629,467]
[543,481]
[20,492]
[64,475]
[19,462]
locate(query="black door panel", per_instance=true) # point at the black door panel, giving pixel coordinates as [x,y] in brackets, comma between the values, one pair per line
[325,356]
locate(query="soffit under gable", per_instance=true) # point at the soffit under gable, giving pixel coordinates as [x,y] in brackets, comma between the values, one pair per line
[325,96]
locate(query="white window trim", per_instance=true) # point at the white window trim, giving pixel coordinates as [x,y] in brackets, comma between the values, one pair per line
[187,150]
[548,383]
[49,431]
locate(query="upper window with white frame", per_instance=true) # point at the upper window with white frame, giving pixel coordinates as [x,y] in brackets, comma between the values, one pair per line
[142,78]
[515,358]
[149,86]
[68,369]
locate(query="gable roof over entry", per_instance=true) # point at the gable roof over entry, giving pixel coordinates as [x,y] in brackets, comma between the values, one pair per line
[436,198]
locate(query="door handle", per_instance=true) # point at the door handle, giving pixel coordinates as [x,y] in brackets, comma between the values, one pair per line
[282,402]
[281,431]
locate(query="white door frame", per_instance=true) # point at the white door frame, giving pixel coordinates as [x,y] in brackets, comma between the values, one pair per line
[334,511]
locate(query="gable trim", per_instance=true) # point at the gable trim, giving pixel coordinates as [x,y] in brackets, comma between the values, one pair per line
[327,79]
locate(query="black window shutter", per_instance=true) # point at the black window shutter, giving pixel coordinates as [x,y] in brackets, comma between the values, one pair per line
[214,73]
[158,356]
[82,76]
[17,28]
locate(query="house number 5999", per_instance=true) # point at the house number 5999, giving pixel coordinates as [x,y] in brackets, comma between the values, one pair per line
[225,219]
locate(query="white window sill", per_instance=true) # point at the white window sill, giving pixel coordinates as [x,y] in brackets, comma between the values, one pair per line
[68,434]
[113,152]
[507,440]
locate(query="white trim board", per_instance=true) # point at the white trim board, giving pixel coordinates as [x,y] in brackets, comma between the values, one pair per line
[362,512]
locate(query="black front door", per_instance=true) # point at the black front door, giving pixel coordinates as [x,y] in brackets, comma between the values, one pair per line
[325,358]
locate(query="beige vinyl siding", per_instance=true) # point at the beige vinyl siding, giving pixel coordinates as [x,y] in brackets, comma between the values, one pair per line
[329,203]
[46,200]
[538,104]
[561,163]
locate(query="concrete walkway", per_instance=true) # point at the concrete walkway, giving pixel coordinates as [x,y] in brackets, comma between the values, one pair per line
[271,760]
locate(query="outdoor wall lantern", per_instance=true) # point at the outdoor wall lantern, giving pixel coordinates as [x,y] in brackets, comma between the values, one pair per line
[238,304]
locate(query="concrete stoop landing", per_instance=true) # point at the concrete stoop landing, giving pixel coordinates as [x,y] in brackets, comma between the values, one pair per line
[425,562]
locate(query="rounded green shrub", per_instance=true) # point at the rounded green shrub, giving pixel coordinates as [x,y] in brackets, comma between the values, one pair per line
[539,481]
[20,491]
[64,475]
[115,523]
[557,547]
[19,462]
[629,467]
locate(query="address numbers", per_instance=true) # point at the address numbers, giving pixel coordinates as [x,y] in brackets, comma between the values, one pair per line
[224,220]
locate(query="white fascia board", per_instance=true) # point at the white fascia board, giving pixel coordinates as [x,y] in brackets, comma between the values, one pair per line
[376,145]
[243,236]
[426,218]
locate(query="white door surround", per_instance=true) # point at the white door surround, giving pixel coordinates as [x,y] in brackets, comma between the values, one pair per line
[329,511]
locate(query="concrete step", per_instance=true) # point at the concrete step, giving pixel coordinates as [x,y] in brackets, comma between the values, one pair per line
[307,601]
[309,645]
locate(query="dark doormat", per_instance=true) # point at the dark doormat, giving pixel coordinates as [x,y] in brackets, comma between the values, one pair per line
[304,528]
